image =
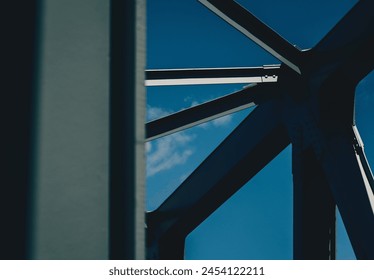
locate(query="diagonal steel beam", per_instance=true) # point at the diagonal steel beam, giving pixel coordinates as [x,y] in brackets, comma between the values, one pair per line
[347,48]
[256,30]
[252,145]
[358,62]
[349,30]
[196,76]
[19,108]
[350,185]
[359,147]
[246,98]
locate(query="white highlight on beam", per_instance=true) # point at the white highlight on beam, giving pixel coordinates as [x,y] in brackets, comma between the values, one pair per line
[250,35]
[361,159]
[369,191]
[210,81]
[210,118]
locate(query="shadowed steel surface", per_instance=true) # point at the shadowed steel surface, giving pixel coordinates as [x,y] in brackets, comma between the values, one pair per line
[351,191]
[348,47]
[359,147]
[256,141]
[210,110]
[170,77]
[317,108]
[314,208]
[127,109]
[20,65]
[256,30]
[358,21]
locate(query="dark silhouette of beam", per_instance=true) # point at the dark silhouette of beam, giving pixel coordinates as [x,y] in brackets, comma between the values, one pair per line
[358,21]
[314,208]
[195,76]
[256,30]
[351,190]
[252,145]
[18,87]
[126,130]
[329,163]
[210,110]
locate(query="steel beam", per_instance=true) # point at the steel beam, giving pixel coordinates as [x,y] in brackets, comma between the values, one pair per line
[330,165]
[343,162]
[256,30]
[351,189]
[347,48]
[127,111]
[359,147]
[18,100]
[173,77]
[70,198]
[314,208]
[358,61]
[210,110]
[348,31]
[252,145]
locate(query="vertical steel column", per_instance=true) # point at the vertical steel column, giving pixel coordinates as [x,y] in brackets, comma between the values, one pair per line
[19,48]
[70,194]
[127,118]
[314,209]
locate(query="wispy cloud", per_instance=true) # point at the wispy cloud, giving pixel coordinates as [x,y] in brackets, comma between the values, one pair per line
[168,152]
[183,177]
[148,147]
[173,150]
[156,112]
[219,122]
[222,121]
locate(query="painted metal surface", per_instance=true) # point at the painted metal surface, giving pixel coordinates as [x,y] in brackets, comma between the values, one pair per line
[314,110]
[209,76]
[234,102]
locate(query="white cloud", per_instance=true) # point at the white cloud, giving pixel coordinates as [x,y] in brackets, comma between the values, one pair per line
[148,147]
[156,112]
[173,150]
[222,121]
[194,103]
[183,178]
[204,125]
[187,99]
[168,152]
[219,122]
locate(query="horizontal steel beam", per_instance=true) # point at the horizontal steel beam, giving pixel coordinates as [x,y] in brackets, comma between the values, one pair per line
[199,76]
[256,30]
[246,98]
[252,145]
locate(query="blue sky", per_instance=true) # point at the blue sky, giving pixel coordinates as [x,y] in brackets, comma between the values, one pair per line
[256,223]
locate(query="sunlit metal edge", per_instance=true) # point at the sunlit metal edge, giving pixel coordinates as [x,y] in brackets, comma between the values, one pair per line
[222,114]
[250,36]
[209,81]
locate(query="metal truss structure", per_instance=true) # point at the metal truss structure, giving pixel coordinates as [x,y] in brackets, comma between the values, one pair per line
[308,101]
